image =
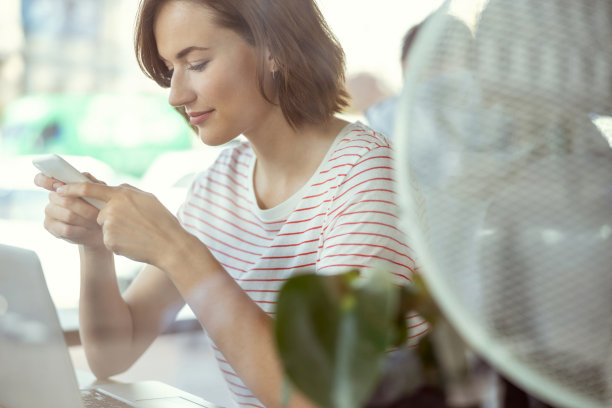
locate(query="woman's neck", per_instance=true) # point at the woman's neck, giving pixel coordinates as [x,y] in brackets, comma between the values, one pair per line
[288,157]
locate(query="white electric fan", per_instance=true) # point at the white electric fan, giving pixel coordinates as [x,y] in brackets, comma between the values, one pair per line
[505,177]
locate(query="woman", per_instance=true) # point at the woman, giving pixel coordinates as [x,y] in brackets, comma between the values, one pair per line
[308,191]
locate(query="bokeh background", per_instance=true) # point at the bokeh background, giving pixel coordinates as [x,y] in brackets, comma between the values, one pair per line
[70,84]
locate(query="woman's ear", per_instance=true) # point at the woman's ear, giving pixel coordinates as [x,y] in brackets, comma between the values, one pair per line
[272,66]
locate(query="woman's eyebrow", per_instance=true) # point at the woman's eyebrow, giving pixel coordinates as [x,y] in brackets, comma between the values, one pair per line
[187,50]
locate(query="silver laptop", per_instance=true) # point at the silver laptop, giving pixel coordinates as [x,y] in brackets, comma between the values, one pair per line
[35,366]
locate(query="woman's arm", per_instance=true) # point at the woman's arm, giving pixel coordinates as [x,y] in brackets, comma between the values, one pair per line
[114,333]
[115,330]
[136,225]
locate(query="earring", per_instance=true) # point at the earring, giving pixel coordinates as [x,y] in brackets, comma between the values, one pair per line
[274,74]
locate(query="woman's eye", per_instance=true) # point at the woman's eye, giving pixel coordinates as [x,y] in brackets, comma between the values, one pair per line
[197,67]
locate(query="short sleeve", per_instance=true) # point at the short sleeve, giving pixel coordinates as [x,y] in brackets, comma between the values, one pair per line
[362,227]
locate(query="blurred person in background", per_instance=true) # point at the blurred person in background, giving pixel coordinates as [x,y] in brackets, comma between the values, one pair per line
[307,191]
[450,71]
[381,115]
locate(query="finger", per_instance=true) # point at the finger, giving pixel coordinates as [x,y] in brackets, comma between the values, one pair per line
[71,210]
[91,190]
[70,233]
[130,187]
[92,178]
[46,182]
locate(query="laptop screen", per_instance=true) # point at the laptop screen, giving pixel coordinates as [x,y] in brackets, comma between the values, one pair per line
[36,367]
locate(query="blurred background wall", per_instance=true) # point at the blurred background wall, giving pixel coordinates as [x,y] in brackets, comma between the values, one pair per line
[86,45]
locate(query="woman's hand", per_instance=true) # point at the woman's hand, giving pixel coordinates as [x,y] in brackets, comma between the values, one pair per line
[70,218]
[134,223]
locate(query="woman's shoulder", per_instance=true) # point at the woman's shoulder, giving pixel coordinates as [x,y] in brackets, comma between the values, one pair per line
[360,134]
[357,140]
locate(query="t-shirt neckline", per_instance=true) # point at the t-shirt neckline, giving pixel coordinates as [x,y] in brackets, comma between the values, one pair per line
[282,211]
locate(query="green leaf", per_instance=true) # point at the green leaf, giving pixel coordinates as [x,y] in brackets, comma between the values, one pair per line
[307,315]
[333,333]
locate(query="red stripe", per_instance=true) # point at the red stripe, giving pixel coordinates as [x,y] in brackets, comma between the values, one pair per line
[225,186]
[261,280]
[305,220]
[236,385]
[372,139]
[350,146]
[382,224]
[368,234]
[289,256]
[418,334]
[361,192]
[367,256]
[230,178]
[269,302]
[230,256]
[344,155]
[261,290]
[392,203]
[220,230]
[336,167]
[314,206]
[229,223]
[221,242]
[358,266]
[212,203]
[229,372]
[386,248]
[417,325]
[235,204]
[294,245]
[404,277]
[364,171]
[370,142]
[343,266]
[251,405]
[344,214]
[385,158]
[315,195]
[300,232]
[228,266]
[344,146]
[219,359]
[233,163]
[243,395]
[283,269]
[328,180]
[364,182]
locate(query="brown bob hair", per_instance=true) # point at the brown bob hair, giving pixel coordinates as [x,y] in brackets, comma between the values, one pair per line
[309,81]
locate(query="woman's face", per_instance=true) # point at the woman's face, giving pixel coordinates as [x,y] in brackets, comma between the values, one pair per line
[213,72]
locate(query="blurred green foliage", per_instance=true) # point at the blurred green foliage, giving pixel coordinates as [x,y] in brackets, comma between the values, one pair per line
[125,131]
[334,335]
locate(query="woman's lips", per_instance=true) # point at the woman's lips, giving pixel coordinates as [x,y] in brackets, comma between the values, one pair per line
[196,118]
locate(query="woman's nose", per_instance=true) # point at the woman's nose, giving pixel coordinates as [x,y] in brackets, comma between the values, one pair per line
[181,93]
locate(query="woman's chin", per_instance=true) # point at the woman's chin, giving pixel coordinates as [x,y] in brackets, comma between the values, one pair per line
[210,138]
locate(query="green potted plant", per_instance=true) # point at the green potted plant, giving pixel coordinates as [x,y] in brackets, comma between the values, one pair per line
[342,340]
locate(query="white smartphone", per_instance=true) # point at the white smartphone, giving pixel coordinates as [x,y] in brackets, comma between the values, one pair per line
[55,166]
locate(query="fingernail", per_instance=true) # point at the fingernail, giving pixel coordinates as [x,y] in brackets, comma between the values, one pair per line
[61,189]
[56,185]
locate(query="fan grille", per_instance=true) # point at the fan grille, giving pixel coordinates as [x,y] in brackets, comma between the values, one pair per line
[508,186]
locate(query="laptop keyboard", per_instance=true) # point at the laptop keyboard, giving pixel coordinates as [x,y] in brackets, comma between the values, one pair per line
[93,398]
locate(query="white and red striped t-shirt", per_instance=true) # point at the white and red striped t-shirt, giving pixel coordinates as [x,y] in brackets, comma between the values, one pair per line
[344,217]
